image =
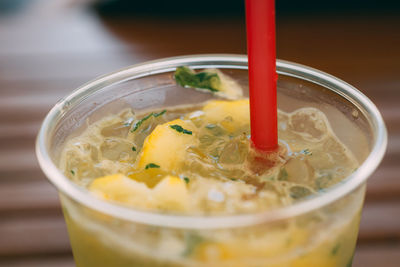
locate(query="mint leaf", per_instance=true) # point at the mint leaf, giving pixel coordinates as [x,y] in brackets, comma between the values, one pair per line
[159,113]
[202,80]
[192,241]
[298,192]
[140,122]
[180,129]
[283,175]
[151,165]
[306,152]
[335,249]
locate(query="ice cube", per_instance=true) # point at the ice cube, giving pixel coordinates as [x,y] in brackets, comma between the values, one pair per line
[310,123]
[114,148]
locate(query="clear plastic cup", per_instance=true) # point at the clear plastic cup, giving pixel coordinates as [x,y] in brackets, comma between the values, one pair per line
[320,231]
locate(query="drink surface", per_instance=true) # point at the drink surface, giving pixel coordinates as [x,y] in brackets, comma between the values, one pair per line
[198,160]
[202,156]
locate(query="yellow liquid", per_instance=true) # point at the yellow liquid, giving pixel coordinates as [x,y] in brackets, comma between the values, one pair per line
[313,240]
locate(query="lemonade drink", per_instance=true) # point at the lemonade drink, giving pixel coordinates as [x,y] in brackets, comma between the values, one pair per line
[183,187]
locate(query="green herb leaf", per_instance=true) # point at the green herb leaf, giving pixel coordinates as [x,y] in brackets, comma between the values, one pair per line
[159,113]
[323,181]
[133,148]
[186,179]
[306,152]
[151,165]
[202,80]
[180,129]
[335,249]
[350,262]
[298,192]
[73,172]
[192,241]
[283,175]
[140,122]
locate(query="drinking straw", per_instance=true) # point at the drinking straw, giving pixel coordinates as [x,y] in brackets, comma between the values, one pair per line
[260,24]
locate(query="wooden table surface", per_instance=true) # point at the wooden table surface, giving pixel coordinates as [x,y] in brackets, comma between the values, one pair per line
[43,57]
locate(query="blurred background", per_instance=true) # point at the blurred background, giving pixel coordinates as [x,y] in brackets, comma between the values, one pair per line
[50,47]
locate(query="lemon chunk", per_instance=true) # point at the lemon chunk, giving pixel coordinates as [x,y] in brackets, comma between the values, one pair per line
[169,194]
[232,115]
[166,146]
[118,187]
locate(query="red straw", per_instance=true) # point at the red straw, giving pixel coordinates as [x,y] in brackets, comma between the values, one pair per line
[260,21]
